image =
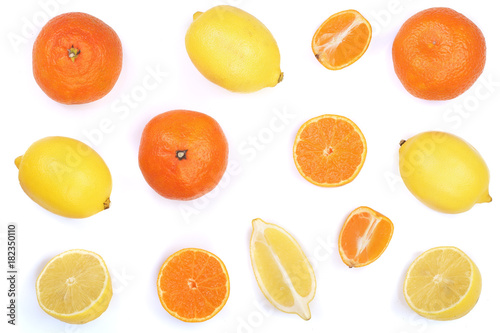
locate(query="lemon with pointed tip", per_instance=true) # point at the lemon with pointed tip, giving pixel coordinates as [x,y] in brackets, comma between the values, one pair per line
[233,49]
[281,268]
[444,172]
[65,176]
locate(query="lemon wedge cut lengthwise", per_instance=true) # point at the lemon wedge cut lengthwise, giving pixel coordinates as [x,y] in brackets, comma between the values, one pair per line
[281,268]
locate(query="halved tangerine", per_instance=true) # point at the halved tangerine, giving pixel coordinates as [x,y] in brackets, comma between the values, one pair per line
[364,237]
[193,285]
[342,39]
[329,150]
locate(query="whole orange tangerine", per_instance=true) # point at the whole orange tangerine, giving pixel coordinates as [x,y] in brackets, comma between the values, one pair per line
[438,54]
[77,58]
[183,154]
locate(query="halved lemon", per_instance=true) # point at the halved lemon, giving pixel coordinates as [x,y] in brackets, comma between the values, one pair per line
[283,273]
[74,287]
[443,283]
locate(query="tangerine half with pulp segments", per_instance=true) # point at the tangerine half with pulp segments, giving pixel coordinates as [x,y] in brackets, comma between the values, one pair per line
[438,54]
[364,237]
[77,58]
[193,285]
[342,39]
[183,154]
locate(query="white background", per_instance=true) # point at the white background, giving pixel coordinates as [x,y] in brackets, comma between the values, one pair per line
[141,229]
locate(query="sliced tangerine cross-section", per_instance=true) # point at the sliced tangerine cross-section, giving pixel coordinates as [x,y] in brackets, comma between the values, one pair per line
[342,39]
[329,150]
[193,285]
[364,237]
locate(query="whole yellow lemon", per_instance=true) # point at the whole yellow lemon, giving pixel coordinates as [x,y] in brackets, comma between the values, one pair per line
[65,176]
[233,49]
[444,172]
